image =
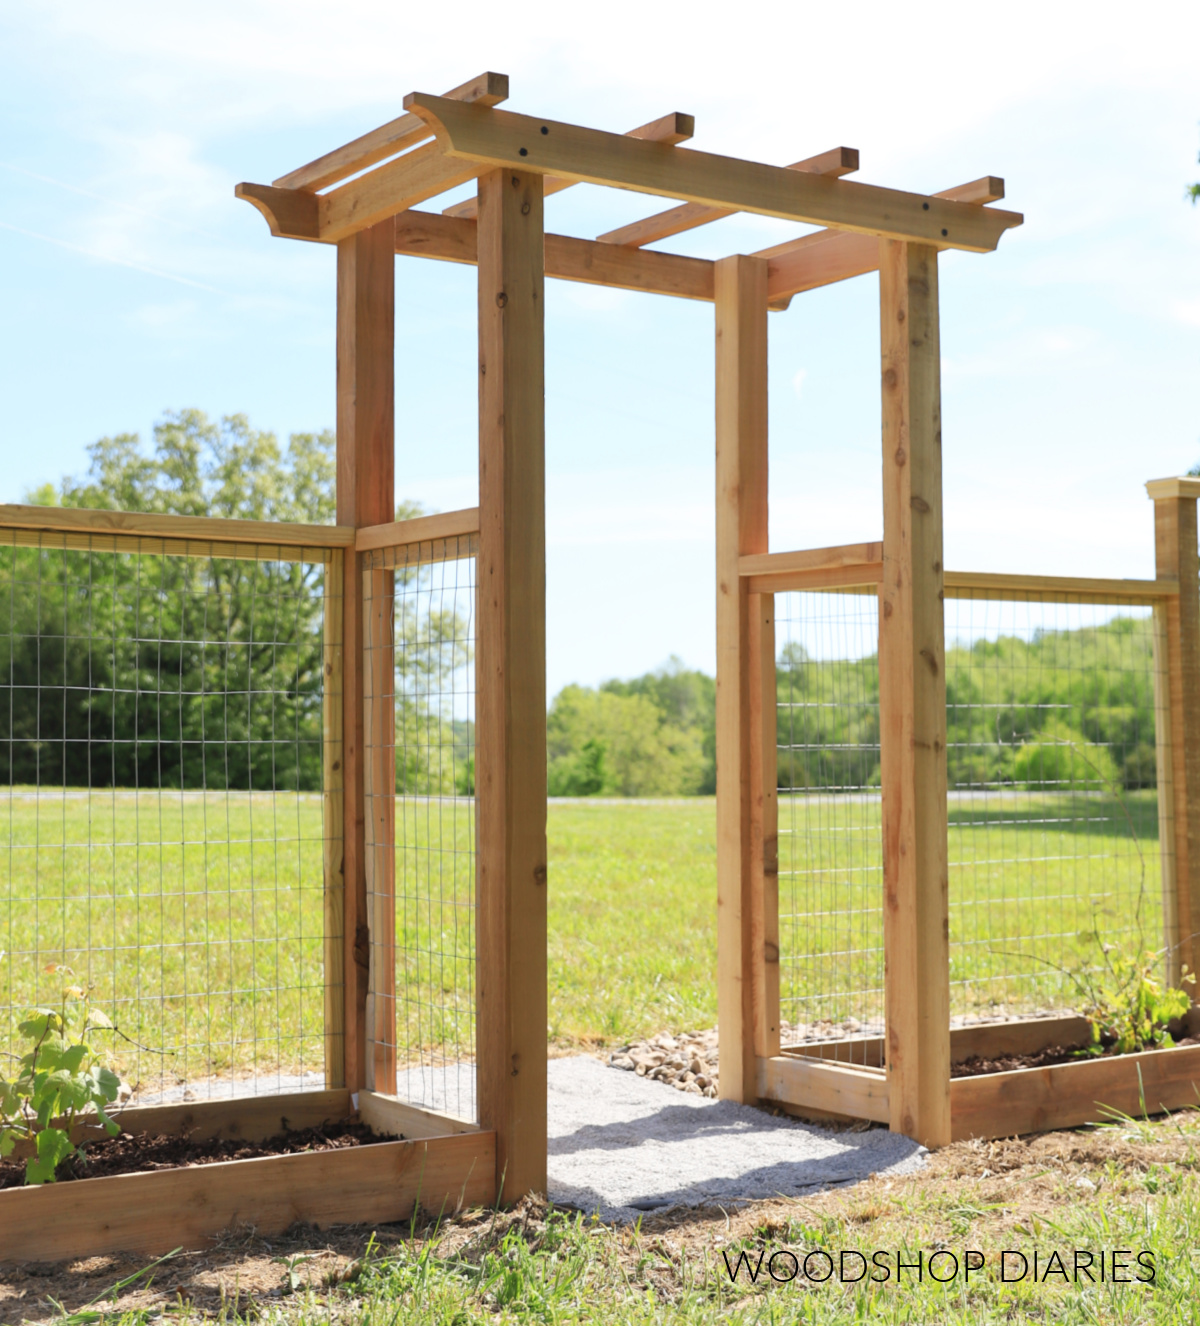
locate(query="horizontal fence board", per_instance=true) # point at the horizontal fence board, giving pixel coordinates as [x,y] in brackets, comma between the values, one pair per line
[389,1114]
[421,529]
[851,1090]
[1055,589]
[142,525]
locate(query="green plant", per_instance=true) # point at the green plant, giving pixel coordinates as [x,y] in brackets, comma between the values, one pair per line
[1061,759]
[1128,1006]
[57,1079]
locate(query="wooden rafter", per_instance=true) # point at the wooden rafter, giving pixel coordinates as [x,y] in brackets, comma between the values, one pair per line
[835,163]
[486,90]
[836,255]
[520,142]
[674,128]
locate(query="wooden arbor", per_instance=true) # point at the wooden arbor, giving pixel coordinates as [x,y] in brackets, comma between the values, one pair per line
[363,197]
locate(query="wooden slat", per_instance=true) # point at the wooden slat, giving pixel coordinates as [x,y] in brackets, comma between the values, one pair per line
[835,163]
[763,740]
[674,128]
[395,1118]
[835,255]
[825,1088]
[510,671]
[366,319]
[443,525]
[427,235]
[1175,553]
[155,1212]
[379,796]
[1164,764]
[848,578]
[422,173]
[741,529]
[1053,589]
[332,808]
[496,138]
[1032,1100]
[811,559]
[912,699]
[487,89]
[155,547]
[80,520]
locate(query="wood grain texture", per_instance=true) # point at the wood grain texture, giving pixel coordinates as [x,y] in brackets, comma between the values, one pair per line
[155,1212]
[179,528]
[1033,1100]
[762,738]
[496,138]
[741,529]
[676,220]
[333,700]
[1175,551]
[396,1118]
[289,213]
[420,174]
[811,559]
[428,235]
[1164,766]
[912,700]
[851,1091]
[1179,487]
[366,318]
[487,89]
[421,529]
[1054,589]
[510,670]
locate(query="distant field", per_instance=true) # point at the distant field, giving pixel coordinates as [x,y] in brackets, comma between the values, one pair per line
[198,917]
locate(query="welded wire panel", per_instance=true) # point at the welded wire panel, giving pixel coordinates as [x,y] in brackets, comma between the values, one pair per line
[1053,806]
[423,951]
[830,843]
[161,811]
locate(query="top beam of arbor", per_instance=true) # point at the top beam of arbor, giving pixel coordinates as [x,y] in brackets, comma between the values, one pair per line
[469,138]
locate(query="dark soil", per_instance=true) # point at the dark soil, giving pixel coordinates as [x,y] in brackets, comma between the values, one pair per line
[135,1153]
[1047,1058]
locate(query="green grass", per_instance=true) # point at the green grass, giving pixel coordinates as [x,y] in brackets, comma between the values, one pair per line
[198,917]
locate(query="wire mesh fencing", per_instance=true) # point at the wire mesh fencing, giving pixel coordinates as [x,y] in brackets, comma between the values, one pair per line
[1055,869]
[419,671]
[830,823]
[161,715]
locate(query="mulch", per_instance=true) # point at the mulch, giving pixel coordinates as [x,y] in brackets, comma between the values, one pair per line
[132,1154]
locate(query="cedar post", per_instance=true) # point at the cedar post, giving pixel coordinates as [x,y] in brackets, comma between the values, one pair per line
[747,874]
[366,293]
[332,759]
[510,670]
[912,699]
[1176,557]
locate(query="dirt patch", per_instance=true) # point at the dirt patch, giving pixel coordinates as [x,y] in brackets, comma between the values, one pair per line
[1047,1058]
[135,1153]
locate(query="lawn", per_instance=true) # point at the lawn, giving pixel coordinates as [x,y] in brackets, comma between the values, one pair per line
[198,917]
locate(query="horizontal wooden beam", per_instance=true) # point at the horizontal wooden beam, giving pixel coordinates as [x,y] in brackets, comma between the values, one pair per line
[1034,1100]
[499,138]
[855,1091]
[392,1117]
[255,534]
[674,128]
[156,1211]
[810,559]
[1054,589]
[1181,487]
[487,89]
[453,239]
[834,255]
[854,575]
[834,163]
[420,529]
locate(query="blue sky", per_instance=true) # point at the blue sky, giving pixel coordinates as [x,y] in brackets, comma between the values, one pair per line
[133,282]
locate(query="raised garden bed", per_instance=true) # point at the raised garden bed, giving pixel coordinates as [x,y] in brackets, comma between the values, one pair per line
[441,1163]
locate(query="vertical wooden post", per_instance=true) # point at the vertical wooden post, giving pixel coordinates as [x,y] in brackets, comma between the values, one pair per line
[912,699]
[1176,556]
[366,331]
[379,798]
[749,1022]
[510,663]
[331,814]
[1164,769]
